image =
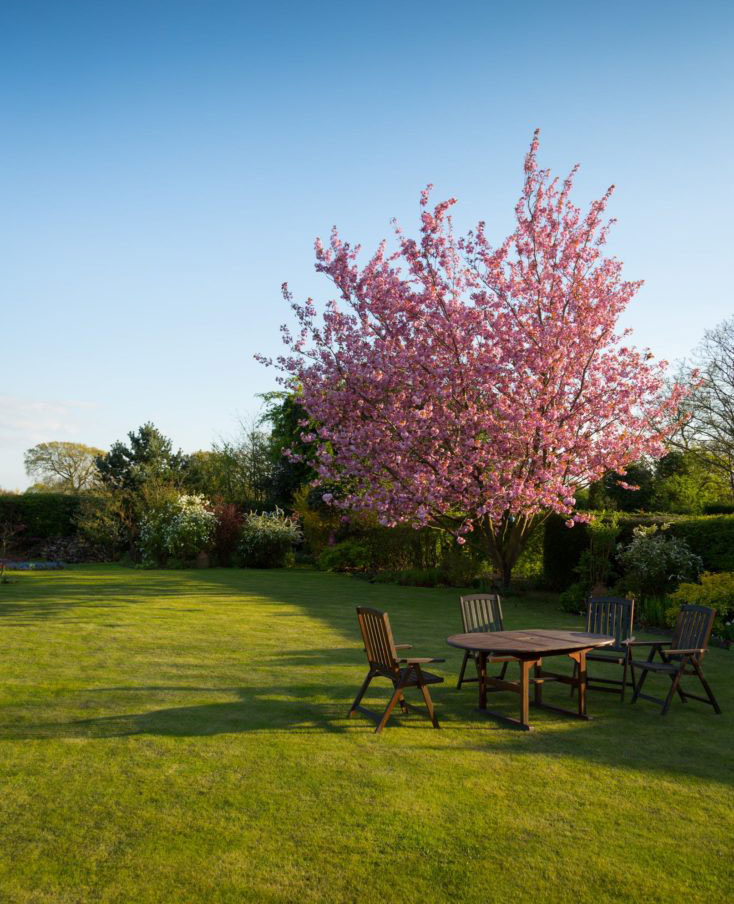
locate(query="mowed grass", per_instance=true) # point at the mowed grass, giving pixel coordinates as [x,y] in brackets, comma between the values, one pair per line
[182,737]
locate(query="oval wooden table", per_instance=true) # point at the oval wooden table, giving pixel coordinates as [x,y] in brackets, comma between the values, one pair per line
[530,648]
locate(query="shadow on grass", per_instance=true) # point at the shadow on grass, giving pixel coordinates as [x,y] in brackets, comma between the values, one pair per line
[690,742]
[686,744]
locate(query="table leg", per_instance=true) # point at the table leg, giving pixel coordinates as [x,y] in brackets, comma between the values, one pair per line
[482,680]
[539,685]
[525,693]
[582,682]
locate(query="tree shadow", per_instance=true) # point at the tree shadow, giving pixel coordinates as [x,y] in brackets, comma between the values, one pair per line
[265,710]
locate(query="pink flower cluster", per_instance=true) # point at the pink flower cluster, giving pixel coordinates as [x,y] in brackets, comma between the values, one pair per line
[455,379]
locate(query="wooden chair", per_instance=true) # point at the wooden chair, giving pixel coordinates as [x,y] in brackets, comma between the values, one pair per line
[383,659]
[616,616]
[687,649]
[480,613]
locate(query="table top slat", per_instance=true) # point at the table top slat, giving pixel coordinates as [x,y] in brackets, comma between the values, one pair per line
[530,642]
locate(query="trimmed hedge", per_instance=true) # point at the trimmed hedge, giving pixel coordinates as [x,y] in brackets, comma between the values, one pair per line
[562,548]
[44,515]
[709,536]
[719,508]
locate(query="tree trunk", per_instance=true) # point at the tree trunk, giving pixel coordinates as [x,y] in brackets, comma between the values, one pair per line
[507,540]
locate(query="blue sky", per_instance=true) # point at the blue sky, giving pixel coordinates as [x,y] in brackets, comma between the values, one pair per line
[166,166]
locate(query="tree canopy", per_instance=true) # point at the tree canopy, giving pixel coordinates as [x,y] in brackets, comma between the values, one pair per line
[476,387]
[63,466]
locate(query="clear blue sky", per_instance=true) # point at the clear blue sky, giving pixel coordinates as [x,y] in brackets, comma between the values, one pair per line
[166,166]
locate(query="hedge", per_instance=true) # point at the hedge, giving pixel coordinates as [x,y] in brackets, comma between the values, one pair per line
[709,536]
[44,515]
[562,548]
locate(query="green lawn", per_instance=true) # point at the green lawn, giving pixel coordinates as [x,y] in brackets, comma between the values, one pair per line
[181,737]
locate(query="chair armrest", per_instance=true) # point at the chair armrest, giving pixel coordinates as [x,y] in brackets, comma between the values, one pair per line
[421,660]
[403,646]
[691,652]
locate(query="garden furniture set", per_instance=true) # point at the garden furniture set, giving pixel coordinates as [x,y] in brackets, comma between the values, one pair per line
[608,638]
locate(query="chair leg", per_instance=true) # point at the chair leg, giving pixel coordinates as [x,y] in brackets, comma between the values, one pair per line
[575,669]
[706,687]
[624,679]
[403,704]
[390,707]
[361,693]
[503,670]
[638,686]
[674,682]
[427,700]
[463,669]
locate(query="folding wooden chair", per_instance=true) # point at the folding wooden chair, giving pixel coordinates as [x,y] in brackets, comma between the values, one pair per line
[687,649]
[480,613]
[383,659]
[610,615]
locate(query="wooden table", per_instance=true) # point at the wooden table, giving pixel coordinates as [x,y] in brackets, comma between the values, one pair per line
[530,648]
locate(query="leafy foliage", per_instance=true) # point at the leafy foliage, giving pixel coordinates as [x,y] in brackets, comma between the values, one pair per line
[63,467]
[227,532]
[654,563]
[715,591]
[100,522]
[147,458]
[44,515]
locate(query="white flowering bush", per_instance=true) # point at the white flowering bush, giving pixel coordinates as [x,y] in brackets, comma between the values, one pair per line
[178,529]
[654,563]
[267,540]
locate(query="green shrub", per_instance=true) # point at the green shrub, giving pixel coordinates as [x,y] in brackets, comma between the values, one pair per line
[719,508]
[573,599]
[710,537]
[715,591]
[349,555]
[100,523]
[654,563]
[267,540]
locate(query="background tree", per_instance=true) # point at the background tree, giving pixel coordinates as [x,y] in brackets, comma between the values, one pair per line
[235,470]
[709,431]
[148,458]
[474,388]
[291,466]
[141,475]
[63,467]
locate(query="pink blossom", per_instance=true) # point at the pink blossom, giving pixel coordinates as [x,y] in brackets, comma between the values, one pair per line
[470,385]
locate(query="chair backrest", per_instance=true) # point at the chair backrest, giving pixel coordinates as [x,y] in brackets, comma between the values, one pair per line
[613,615]
[693,628]
[378,641]
[481,612]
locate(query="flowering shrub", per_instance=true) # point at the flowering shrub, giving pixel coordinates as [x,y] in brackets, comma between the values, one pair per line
[267,539]
[191,528]
[180,529]
[715,591]
[655,563]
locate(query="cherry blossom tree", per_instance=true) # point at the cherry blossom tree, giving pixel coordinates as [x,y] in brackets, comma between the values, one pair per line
[476,388]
